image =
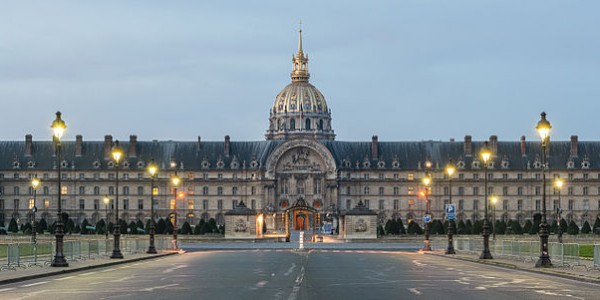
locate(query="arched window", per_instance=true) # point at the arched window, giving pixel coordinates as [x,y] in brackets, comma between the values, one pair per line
[292,124]
[307,125]
[96,190]
[320,125]
[300,187]
[205,190]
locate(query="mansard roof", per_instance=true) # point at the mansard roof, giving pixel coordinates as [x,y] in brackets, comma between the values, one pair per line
[212,155]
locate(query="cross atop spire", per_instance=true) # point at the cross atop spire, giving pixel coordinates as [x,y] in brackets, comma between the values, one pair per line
[300,62]
[300,38]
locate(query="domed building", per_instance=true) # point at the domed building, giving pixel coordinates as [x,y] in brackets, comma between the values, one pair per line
[300,177]
[300,110]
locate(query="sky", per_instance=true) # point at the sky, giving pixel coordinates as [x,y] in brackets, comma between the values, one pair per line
[402,70]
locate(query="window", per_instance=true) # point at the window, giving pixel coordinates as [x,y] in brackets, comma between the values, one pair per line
[190,204]
[235,176]
[96,204]
[490,176]
[220,204]
[585,190]
[31,203]
[220,176]
[475,191]
[219,191]
[366,176]
[461,176]
[381,204]
[284,187]
[490,190]
[585,176]
[111,176]
[125,190]
[316,186]
[381,176]
[348,204]
[348,190]
[125,176]
[411,204]
[140,204]
[570,190]
[475,205]
[381,190]
[396,191]
[16,176]
[234,190]
[571,204]
[234,204]
[205,204]
[519,205]
[411,190]
[253,204]
[300,187]
[505,204]
[96,190]
[65,190]
[205,190]
[81,204]
[125,204]
[505,176]
[140,190]
[505,191]
[475,176]
[586,204]
[410,176]
[520,191]
[556,205]
[253,190]
[81,190]
[96,176]
[204,176]
[45,190]
[396,176]
[538,205]
[461,191]
[81,176]
[172,204]
[16,190]
[571,176]
[111,190]
[367,204]
[155,191]
[446,191]
[461,204]
[538,176]
[538,190]
[46,203]
[396,204]
[366,190]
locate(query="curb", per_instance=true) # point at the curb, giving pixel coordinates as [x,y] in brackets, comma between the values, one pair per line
[77,269]
[557,273]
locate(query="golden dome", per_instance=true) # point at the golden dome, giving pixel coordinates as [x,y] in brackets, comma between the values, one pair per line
[300,97]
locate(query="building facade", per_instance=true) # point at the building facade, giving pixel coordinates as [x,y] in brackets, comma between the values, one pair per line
[300,159]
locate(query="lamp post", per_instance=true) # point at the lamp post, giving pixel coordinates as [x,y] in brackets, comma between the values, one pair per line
[58,127]
[543,127]
[486,154]
[175,180]
[153,170]
[117,153]
[427,218]
[35,184]
[106,201]
[494,201]
[450,169]
[558,184]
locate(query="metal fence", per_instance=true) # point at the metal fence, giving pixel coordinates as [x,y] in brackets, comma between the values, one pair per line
[26,254]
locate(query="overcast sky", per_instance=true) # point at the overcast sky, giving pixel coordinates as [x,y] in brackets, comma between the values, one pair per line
[402,70]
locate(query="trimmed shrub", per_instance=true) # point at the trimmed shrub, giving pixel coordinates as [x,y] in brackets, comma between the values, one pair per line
[573,229]
[186,228]
[586,228]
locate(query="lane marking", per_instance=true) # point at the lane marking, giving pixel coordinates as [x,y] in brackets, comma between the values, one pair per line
[296,289]
[6,289]
[64,278]
[89,273]
[414,291]
[290,270]
[159,287]
[108,270]
[34,284]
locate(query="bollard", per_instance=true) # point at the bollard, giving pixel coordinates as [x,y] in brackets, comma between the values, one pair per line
[301,246]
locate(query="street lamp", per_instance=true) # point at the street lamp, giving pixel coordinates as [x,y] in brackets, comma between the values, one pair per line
[153,170]
[427,218]
[558,184]
[175,180]
[35,184]
[58,127]
[450,169]
[494,201]
[106,201]
[117,153]
[543,128]
[486,154]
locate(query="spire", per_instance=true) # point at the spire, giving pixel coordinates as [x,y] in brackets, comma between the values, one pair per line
[300,62]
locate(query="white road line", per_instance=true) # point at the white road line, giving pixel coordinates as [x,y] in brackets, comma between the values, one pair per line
[64,278]
[34,284]
[6,289]
[414,291]
[108,270]
[89,273]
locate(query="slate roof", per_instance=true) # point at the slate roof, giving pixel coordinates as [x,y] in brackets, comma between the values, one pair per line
[254,154]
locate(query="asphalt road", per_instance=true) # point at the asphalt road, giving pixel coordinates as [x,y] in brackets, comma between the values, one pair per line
[286,274]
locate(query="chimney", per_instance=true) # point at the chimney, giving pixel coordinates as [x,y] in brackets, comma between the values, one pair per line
[132,146]
[494,145]
[226,146]
[78,145]
[374,148]
[523,146]
[107,146]
[574,146]
[199,143]
[468,148]
[28,145]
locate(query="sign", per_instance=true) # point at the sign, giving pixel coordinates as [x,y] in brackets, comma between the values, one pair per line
[327,228]
[427,218]
[450,211]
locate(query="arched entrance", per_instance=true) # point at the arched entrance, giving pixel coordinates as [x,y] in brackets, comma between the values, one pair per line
[301,217]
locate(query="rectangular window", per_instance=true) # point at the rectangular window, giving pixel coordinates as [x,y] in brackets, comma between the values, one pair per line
[381,191]
[46,203]
[253,204]
[96,204]
[81,190]
[234,204]
[367,204]
[556,204]
[538,205]
[31,203]
[396,191]
[140,191]
[538,190]
[111,190]
[81,204]
[125,176]
[585,190]
[570,190]
[125,204]
[317,186]
[348,204]
[205,204]
[505,205]
[96,176]
[586,204]
[475,191]
[204,176]
[519,205]
[505,191]
[490,176]
[253,190]
[571,176]
[140,204]
[446,191]
[461,176]
[585,176]
[520,176]
[220,176]
[396,204]
[461,204]
[81,176]
[461,191]
[475,176]
[190,204]
[16,204]
[520,191]
[64,189]
[411,204]
[505,176]
[396,176]
[490,190]
[155,191]
[410,176]
[381,205]
[111,176]
[411,190]
[475,205]
[571,204]
[366,176]
[381,176]
[220,204]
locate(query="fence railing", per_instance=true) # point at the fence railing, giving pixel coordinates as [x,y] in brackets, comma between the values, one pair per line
[27,254]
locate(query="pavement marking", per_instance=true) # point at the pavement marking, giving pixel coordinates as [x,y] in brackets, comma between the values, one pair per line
[7,289]
[34,284]
[108,270]
[174,268]
[556,294]
[290,270]
[414,291]
[296,289]
[89,273]
[64,278]
[159,287]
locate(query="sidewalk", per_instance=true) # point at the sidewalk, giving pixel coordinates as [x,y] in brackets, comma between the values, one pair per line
[33,272]
[582,272]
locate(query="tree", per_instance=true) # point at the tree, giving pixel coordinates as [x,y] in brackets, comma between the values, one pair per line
[133,228]
[388,227]
[186,228]
[380,230]
[554,226]
[468,227]
[563,225]
[436,227]
[401,229]
[586,228]
[516,227]
[12,226]
[100,227]
[123,226]
[84,225]
[77,229]
[500,227]
[414,228]
[535,228]
[161,226]
[478,227]
[597,226]
[460,227]
[69,226]
[169,227]
[527,226]
[139,224]
[41,226]
[111,227]
[212,223]
[573,229]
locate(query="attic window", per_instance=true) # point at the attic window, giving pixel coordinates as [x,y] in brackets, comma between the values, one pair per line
[16,165]
[585,165]
[381,164]
[96,164]
[570,164]
[140,164]
[475,164]
[253,164]
[31,164]
[205,164]
[347,164]
[235,165]
[537,165]
[111,164]
[126,164]
[220,164]
[396,164]
[504,164]
[64,164]
[461,165]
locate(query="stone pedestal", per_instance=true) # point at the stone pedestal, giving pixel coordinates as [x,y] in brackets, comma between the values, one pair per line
[240,223]
[360,223]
